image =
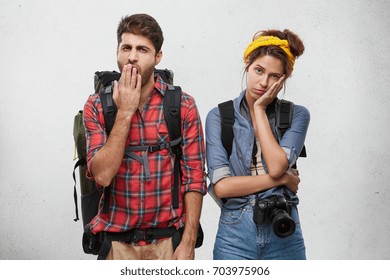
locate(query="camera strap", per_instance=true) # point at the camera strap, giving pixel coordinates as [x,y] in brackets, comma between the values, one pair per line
[254,153]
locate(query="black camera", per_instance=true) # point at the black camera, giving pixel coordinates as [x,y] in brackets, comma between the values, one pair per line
[275,210]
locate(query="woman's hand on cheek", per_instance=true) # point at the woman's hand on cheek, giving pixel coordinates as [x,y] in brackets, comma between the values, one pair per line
[270,95]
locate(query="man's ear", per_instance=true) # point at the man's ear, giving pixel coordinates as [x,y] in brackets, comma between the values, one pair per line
[158,57]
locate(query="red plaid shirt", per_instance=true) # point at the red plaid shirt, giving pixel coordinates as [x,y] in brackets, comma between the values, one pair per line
[137,201]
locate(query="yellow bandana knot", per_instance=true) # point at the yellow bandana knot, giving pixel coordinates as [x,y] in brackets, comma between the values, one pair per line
[268,41]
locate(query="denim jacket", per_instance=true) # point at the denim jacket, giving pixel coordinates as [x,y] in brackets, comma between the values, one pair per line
[219,166]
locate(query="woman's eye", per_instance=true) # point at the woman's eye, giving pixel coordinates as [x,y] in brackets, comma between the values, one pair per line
[258,70]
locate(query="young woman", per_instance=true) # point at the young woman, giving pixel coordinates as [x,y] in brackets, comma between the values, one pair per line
[256,184]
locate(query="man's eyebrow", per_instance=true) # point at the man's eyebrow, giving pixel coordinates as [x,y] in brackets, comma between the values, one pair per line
[143,47]
[137,47]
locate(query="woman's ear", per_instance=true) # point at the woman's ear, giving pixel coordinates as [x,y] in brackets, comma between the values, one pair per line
[246,66]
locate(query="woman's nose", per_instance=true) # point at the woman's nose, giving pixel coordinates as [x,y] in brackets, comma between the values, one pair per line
[263,81]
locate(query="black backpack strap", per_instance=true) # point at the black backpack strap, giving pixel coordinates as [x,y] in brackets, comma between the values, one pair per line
[106,202]
[227,120]
[109,107]
[171,107]
[303,152]
[284,122]
[81,161]
[105,249]
[109,112]
[285,116]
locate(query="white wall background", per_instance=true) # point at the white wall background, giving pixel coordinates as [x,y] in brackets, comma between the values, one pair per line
[49,51]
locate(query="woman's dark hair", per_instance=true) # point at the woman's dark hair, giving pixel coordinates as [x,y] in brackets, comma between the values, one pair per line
[295,44]
[144,25]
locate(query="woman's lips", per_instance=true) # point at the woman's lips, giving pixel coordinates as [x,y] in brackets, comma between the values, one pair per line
[259,91]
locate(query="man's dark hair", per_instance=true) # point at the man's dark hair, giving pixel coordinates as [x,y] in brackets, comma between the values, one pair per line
[144,25]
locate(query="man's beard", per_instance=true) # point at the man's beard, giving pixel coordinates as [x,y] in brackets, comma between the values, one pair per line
[149,71]
[145,75]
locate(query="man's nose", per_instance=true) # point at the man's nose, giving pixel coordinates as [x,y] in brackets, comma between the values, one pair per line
[133,56]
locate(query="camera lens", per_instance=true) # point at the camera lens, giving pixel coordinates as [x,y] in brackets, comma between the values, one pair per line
[282,224]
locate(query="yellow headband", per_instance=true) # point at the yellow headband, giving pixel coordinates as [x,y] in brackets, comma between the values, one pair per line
[268,41]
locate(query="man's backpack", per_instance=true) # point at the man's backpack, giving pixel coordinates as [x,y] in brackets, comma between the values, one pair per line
[280,120]
[90,194]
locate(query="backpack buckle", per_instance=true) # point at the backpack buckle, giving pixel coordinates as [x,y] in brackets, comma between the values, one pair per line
[142,235]
[158,147]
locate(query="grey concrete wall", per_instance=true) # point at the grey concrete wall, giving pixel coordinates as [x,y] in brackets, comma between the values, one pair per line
[49,51]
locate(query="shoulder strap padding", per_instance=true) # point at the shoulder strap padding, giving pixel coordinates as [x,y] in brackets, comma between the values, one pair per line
[226,110]
[284,120]
[109,107]
[171,107]
[284,117]
[104,86]
[172,115]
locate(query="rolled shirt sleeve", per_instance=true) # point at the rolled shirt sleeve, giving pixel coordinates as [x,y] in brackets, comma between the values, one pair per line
[95,133]
[293,140]
[193,157]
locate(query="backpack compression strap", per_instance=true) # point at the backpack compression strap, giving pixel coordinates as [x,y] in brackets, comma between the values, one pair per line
[227,120]
[171,106]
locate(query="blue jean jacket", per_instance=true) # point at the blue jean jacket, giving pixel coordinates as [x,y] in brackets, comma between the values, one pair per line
[219,166]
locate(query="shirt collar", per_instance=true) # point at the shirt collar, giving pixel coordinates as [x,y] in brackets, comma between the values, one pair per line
[160,85]
[244,108]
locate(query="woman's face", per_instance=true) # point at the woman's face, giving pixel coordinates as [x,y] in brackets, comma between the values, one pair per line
[262,74]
